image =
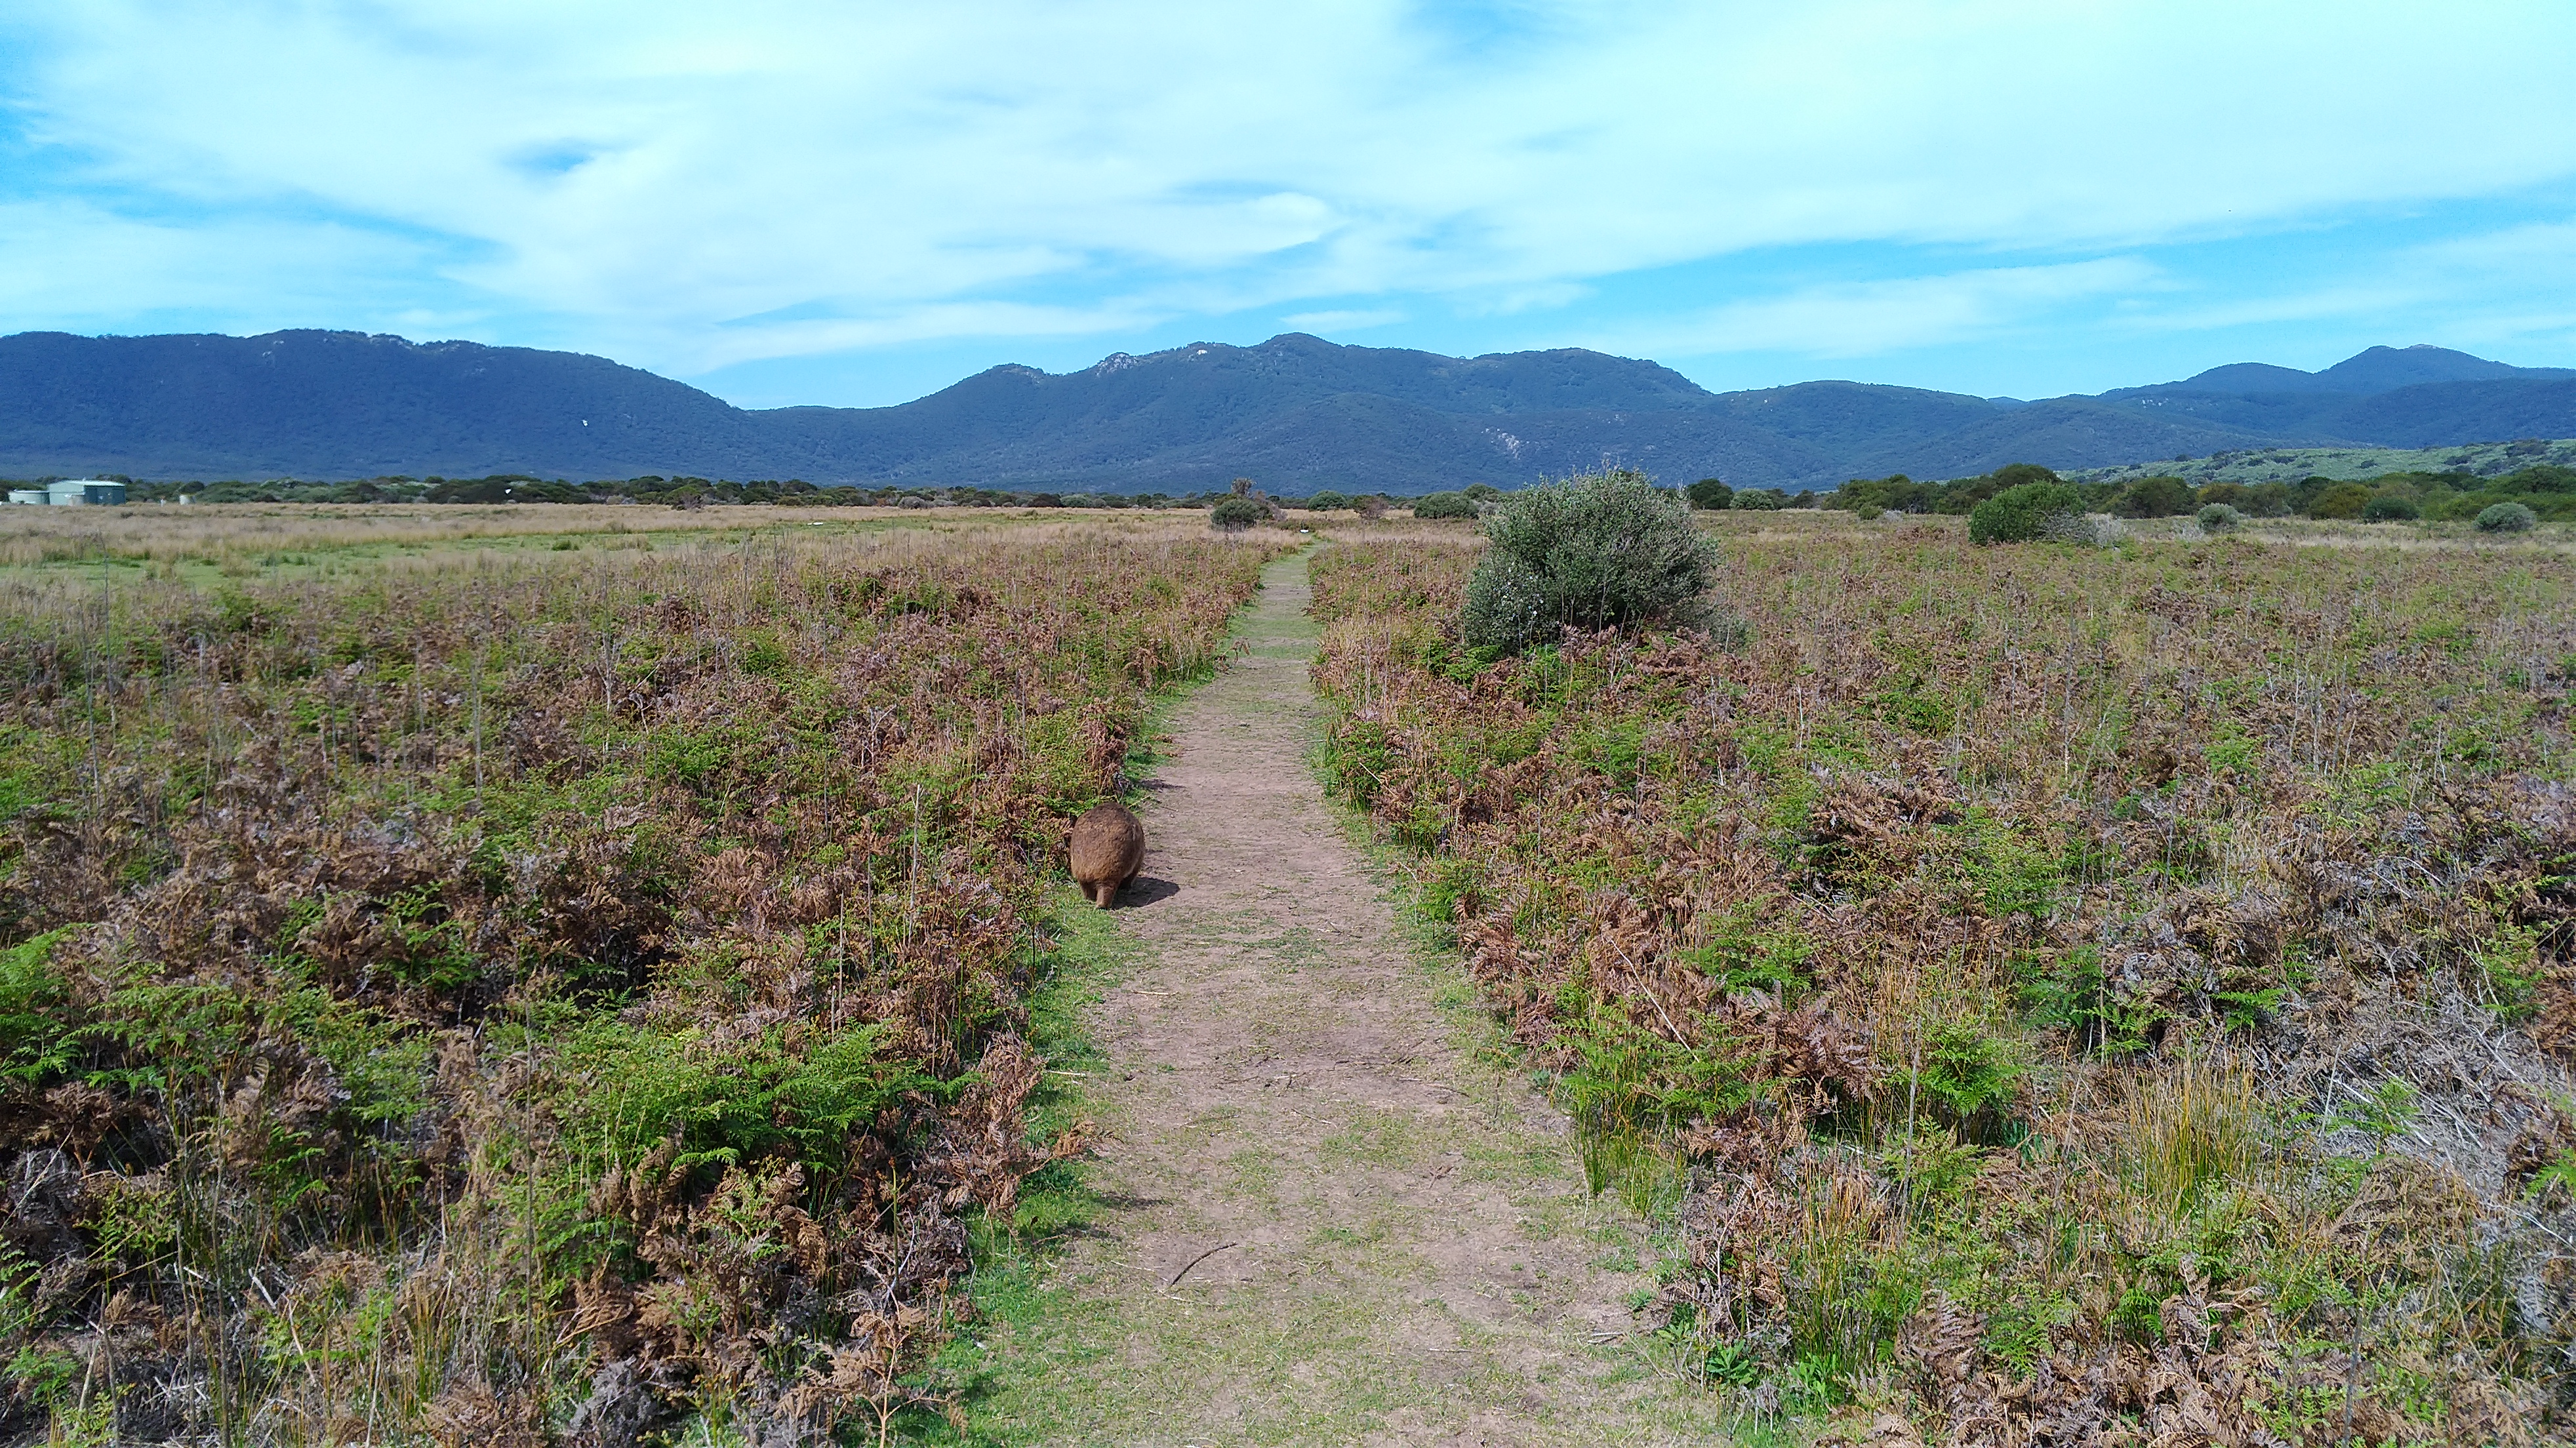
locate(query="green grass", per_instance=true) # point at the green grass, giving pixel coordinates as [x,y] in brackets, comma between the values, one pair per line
[1970,905]
[583,927]
[1074,1347]
[308,547]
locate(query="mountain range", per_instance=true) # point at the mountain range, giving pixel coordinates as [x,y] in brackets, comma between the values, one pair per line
[1295,413]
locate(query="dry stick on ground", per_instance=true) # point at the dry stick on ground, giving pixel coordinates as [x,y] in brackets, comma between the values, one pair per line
[1194,1261]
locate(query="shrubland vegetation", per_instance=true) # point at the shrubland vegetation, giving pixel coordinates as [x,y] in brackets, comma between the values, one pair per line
[562,994]
[2023,512]
[677,492]
[2444,484]
[2290,464]
[683,492]
[2050,994]
[214,547]
[491,975]
[1590,552]
[1236,514]
[2548,490]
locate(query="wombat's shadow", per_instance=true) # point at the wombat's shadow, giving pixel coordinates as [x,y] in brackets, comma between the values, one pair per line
[1145,890]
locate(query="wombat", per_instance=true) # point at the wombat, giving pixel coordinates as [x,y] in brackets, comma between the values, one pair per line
[1108,849]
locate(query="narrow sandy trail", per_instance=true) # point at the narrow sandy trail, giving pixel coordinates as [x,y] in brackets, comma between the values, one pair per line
[1400,1249]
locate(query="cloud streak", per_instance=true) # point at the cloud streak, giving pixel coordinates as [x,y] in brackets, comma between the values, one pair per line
[638,177]
[1861,319]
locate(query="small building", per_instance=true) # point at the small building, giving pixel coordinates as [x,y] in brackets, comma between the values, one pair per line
[104,492]
[29,495]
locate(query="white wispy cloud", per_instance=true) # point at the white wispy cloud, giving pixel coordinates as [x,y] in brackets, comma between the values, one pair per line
[1343,321]
[2473,282]
[638,176]
[1860,319]
[69,262]
[2311,302]
[1511,301]
[2547,246]
[805,337]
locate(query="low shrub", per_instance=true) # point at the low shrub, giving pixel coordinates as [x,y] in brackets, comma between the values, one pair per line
[2218,518]
[1605,871]
[1967,1070]
[1507,607]
[2084,530]
[1757,500]
[1327,501]
[2391,508]
[743,1077]
[1710,494]
[35,1045]
[1444,505]
[1594,551]
[726,1102]
[1233,515]
[2342,500]
[2258,500]
[2156,497]
[2020,514]
[2506,518]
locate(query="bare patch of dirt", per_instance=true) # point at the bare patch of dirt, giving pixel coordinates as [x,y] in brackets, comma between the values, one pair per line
[1333,1221]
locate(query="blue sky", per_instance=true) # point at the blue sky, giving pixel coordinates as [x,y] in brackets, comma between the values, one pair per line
[835,202]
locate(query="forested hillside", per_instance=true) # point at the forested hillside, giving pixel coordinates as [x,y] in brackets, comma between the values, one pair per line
[1295,413]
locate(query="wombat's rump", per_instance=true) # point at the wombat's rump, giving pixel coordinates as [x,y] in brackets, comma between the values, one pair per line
[1108,850]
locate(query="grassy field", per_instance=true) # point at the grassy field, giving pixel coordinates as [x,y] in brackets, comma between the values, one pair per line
[204,546]
[478,974]
[2446,537]
[501,975]
[2046,989]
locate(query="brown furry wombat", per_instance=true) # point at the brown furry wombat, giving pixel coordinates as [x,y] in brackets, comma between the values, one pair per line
[1108,849]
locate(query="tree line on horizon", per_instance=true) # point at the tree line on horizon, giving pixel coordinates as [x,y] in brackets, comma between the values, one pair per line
[2549,490]
[676,491]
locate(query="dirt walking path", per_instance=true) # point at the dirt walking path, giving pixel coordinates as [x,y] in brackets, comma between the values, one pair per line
[1377,1235]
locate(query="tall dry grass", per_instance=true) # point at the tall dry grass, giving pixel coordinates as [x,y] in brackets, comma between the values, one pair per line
[2056,971]
[550,996]
[246,534]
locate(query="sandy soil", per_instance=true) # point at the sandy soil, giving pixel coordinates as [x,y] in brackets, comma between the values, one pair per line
[1334,1218]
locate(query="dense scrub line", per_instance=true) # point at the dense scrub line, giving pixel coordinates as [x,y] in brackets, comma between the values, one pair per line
[2060,995]
[2547,490]
[570,999]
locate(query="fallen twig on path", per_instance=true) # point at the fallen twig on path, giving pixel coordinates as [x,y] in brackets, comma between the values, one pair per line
[1194,1261]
